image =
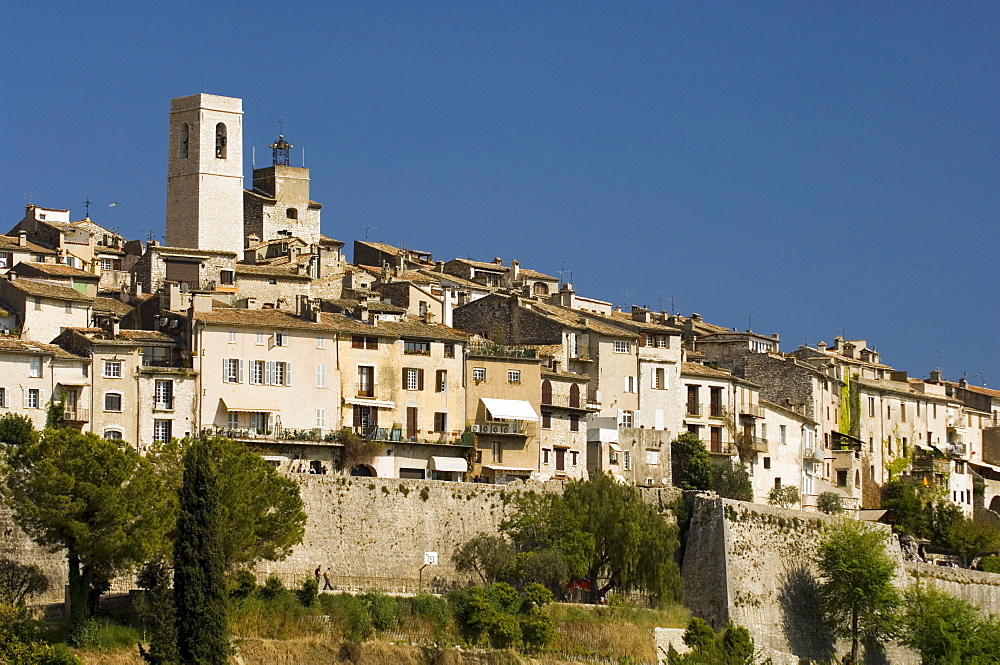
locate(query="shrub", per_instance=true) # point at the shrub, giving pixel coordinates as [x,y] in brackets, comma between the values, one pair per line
[241,584]
[351,612]
[382,609]
[273,587]
[830,503]
[989,564]
[306,594]
[785,496]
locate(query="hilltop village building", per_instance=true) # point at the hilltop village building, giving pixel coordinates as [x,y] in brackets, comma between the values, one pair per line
[249,322]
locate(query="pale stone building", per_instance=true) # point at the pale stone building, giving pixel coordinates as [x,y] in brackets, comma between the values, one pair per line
[205,174]
[33,374]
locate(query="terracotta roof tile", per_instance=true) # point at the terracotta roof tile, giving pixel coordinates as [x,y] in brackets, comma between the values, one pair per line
[46,290]
[55,269]
[259,318]
[116,307]
[14,345]
[704,370]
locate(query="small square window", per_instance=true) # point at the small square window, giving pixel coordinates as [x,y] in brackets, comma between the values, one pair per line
[449,350]
[514,376]
[478,374]
[112,401]
[280,339]
[623,347]
[112,369]
[321,342]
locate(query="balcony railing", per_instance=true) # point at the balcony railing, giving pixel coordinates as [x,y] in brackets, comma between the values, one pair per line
[397,435]
[759,444]
[500,351]
[160,362]
[812,452]
[77,415]
[511,427]
[958,449]
[716,411]
[364,389]
[693,409]
[752,410]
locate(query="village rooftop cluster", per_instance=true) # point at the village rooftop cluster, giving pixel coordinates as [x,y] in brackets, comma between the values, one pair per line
[249,323]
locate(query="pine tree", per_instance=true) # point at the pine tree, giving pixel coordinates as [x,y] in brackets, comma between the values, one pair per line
[199,568]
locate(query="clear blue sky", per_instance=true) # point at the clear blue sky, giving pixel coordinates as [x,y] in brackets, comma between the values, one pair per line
[816,165]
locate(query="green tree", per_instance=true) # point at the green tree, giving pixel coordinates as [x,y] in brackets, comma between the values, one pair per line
[17,430]
[732,481]
[943,629]
[858,598]
[970,539]
[155,608]
[260,511]
[830,503]
[785,496]
[98,499]
[731,646]
[633,544]
[544,522]
[199,562]
[691,464]
[491,557]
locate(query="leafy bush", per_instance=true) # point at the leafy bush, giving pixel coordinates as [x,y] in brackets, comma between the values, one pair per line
[242,583]
[785,496]
[273,587]
[382,609]
[732,481]
[351,612]
[499,615]
[732,646]
[989,564]
[307,592]
[830,503]
[491,557]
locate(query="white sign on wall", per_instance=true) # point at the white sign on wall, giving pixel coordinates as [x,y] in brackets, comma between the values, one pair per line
[430,558]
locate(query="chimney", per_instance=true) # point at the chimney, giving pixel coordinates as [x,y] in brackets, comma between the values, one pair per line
[963,382]
[848,350]
[22,238]
[439,266]
[201,302]
[514,272]
[821,347]
[935,376]
[695,316]
[174,297]
[497,260]
[253,303]
[640,314]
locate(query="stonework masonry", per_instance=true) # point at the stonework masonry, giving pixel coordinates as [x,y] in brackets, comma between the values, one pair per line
[753,564]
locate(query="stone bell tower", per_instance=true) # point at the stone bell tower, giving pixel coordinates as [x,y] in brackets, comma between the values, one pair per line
[205,173]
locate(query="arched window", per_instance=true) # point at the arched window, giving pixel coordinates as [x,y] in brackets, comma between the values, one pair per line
[546,392]
[113,434]
[540,289]
[574,395]
[292,213]
[857,479]
[220,141]
[185,142]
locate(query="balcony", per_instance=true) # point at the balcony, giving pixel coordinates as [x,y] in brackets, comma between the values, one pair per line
[160,362]
[521,428]
[958,449]
[716,411]
[928,465]
[76,415]
[758,443]
[493,350]
[397,435]
[364,390]
[752,410]
[812,453]
[693,409]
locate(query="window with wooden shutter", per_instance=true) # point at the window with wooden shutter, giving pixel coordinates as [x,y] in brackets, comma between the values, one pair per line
[546,392]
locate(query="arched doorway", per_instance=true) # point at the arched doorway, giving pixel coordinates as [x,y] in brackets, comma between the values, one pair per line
[363,471]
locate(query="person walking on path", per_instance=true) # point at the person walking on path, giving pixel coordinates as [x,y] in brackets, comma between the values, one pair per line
[317,573]
[326,580]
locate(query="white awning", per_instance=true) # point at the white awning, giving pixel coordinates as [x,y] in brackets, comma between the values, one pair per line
[275,458]
[508,469]
[244,405]
[73,382]
[360,401]
[509,409]
[615,447]
[449,464]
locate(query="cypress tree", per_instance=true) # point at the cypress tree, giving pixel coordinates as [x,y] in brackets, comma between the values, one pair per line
[199,569]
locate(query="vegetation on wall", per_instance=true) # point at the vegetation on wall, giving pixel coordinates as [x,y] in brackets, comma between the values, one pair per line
[850,406]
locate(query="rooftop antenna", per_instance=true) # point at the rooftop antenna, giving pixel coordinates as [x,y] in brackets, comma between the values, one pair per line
[87,204]
[672,311]
[253,157]
[368,228]
[749,322]
[30,196]
[843,331]
[150,235]
[625,304]
[115,205]
[659,301]
[206,80]
[562,271]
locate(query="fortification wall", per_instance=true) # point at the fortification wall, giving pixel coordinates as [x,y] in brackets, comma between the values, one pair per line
[753,564]
[17,546]
[373,529]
